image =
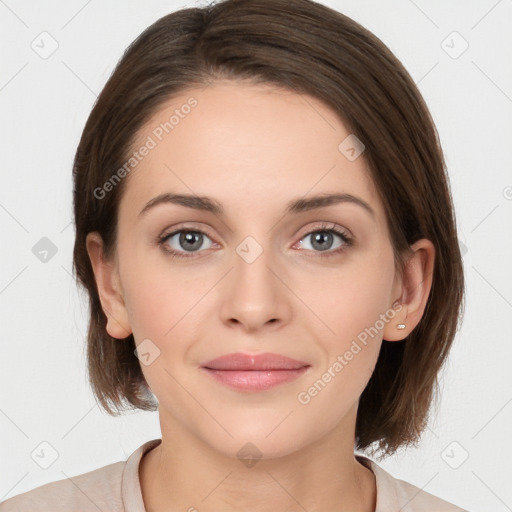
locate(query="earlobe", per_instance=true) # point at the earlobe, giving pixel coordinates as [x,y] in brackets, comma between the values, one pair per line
[415,290]
[109,289]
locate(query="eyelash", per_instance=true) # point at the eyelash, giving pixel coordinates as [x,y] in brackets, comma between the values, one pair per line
[324,228]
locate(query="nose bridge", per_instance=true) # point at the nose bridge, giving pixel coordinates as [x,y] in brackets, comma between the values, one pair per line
[256,296]
[253,279]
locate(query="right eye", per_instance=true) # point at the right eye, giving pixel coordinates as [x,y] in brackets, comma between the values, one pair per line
[178,243]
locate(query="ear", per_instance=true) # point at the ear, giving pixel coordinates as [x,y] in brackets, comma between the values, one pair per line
[109,288]
[413,291]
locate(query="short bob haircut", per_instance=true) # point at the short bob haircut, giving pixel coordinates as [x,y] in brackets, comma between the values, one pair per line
[311,49]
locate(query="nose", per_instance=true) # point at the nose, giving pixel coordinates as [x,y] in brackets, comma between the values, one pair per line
[255,295]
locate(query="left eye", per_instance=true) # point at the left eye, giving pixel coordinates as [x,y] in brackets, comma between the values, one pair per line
[322,240]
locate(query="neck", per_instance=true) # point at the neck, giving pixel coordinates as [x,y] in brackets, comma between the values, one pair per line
[184,473]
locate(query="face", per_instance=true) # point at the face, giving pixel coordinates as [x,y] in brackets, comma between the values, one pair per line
[313,284]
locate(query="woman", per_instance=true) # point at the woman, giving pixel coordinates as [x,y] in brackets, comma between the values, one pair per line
[265,230]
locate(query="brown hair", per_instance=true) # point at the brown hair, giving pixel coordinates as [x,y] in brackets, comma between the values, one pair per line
[307,48]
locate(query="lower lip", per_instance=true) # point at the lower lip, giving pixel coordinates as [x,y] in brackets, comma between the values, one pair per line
[255,380]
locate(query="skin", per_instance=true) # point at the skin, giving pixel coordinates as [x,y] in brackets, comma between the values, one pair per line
[254,148]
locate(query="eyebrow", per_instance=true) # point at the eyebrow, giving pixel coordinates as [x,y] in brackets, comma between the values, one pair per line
[296,206]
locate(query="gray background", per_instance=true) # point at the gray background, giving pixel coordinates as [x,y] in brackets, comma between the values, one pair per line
[465,454]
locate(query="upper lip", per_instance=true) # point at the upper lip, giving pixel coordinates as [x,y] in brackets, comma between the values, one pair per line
[241,361]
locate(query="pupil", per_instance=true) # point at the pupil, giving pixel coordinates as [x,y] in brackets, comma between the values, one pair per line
[319,237]
[189,238]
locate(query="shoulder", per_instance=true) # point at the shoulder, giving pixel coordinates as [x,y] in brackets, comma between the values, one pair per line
[393,493]
[418,500]
[96,490]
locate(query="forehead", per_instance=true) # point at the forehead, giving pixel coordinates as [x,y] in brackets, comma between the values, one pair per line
[245,145]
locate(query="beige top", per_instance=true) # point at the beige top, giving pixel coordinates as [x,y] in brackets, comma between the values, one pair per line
[116,488]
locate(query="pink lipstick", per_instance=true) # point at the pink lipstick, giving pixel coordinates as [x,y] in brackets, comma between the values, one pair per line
[254,372]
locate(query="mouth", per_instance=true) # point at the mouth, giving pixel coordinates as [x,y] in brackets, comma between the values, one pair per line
[259,372]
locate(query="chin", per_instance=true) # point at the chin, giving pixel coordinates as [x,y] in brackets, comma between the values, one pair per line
[257,439]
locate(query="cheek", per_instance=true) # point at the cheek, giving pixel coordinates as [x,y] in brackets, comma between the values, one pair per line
[166,307]
[349,300]
[158,293]
[151,309]
[354,307]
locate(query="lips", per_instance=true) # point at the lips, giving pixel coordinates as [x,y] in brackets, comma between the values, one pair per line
[254,362]
[254,373]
